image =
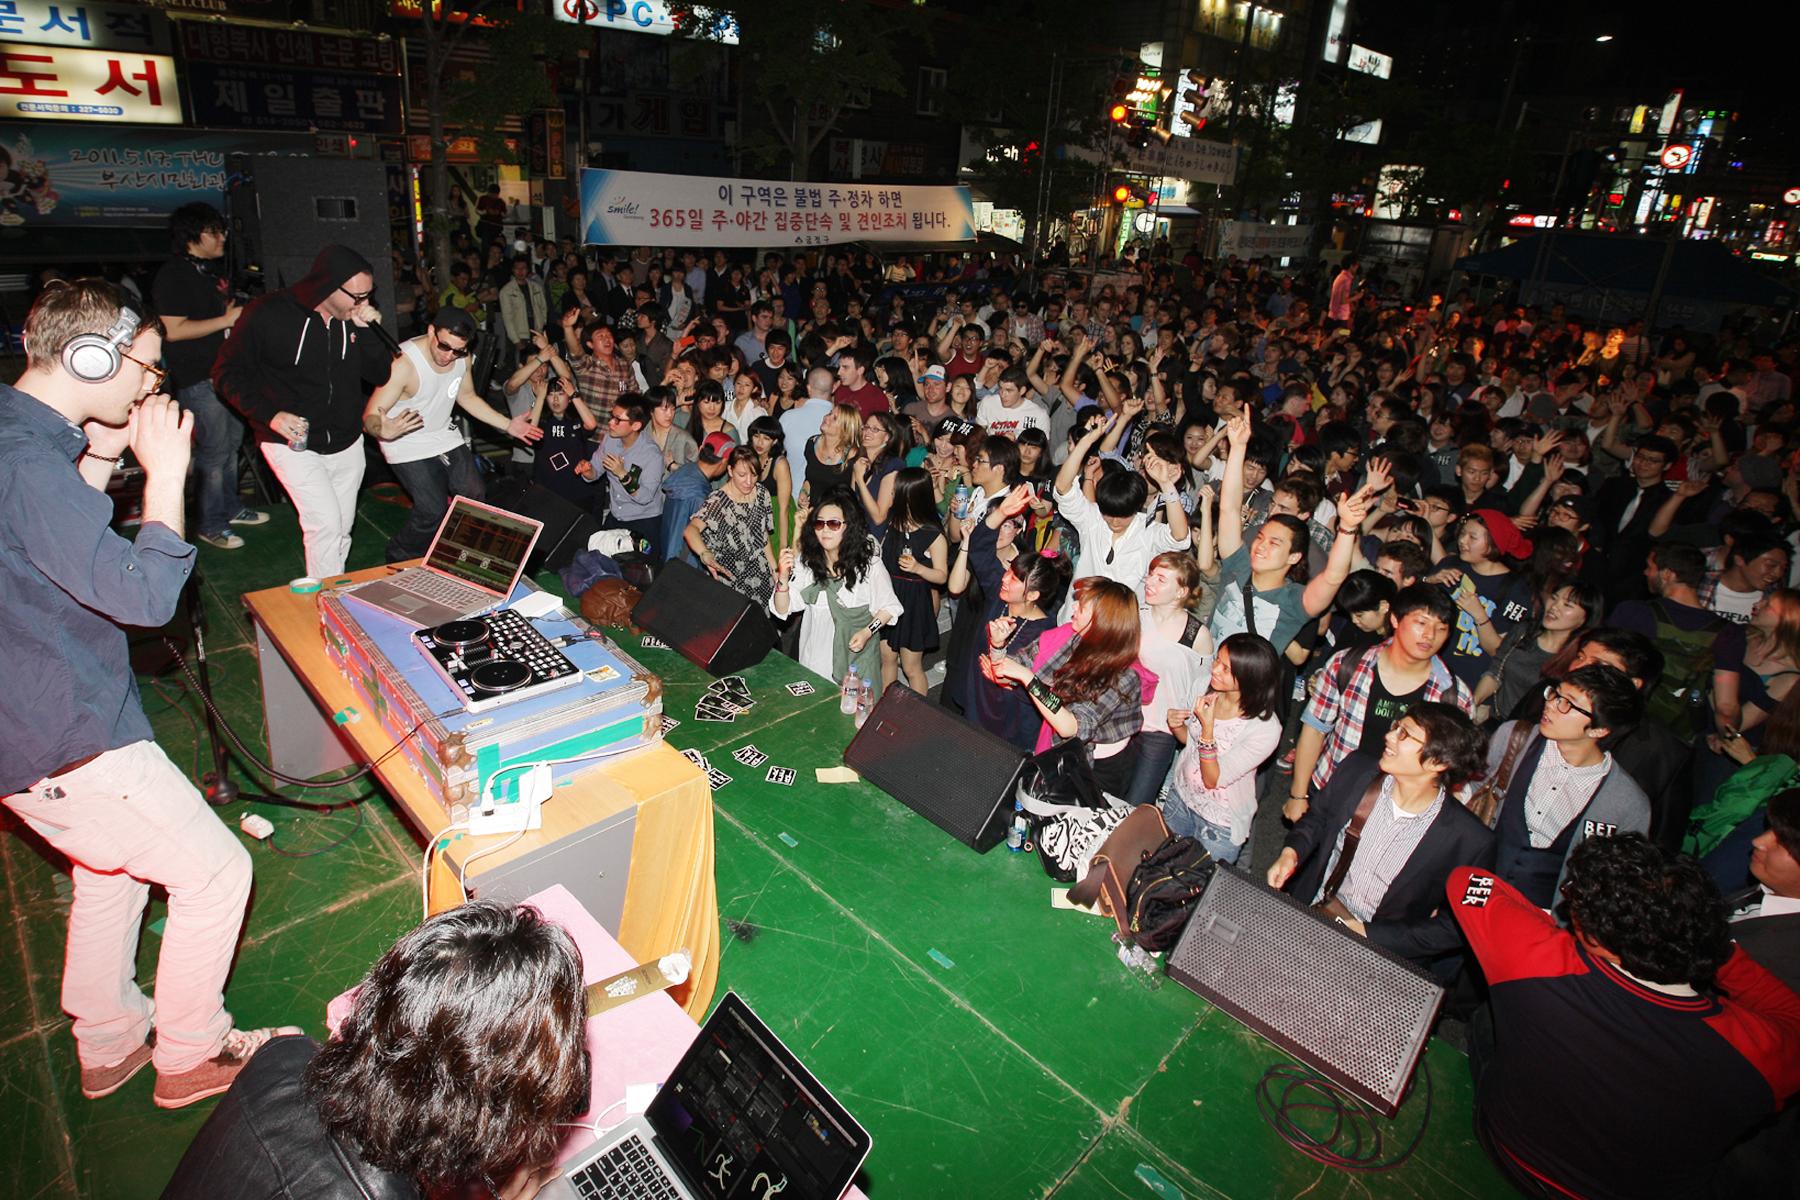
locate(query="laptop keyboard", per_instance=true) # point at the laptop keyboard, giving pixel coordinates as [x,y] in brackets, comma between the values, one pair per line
[429,585]
[628,1171]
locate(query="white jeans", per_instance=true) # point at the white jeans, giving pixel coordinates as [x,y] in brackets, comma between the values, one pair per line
[126,820]
[323,488]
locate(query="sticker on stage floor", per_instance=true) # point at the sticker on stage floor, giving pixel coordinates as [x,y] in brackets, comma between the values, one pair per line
[750,756]
[697,758]
[783,775]
[668,723]
[717,778]
[650,643]
[708,709]
[735,687]
[788,839]
[800,688]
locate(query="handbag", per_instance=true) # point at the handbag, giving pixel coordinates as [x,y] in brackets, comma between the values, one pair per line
[1065,807]
[1486,800]
[1329,905]
[1146,879]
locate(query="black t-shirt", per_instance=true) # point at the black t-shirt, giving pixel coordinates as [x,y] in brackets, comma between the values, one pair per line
[186,288]
[1384,709]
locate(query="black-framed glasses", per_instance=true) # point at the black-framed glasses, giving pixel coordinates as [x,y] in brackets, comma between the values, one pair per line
[831,523]
[359,297]
[452,351]
[1554,695]
[618,418]
[156,373]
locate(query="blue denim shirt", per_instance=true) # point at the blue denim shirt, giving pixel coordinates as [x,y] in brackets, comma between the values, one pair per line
[67,582]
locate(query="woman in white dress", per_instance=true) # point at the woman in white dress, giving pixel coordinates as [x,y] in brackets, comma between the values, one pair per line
[843,592]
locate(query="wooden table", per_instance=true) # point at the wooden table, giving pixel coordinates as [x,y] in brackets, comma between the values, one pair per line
[646,816]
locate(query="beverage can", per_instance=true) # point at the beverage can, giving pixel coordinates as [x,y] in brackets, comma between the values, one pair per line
[298,441]
[959,501]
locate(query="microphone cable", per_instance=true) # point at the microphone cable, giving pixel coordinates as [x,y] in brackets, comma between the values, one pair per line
[1357,1137]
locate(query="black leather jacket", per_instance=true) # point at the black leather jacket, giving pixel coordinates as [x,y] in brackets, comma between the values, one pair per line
[265,1141]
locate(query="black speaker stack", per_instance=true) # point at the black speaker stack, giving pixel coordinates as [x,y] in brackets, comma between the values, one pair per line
[707,623]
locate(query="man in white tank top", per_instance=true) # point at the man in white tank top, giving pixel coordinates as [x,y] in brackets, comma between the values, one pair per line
[410,415]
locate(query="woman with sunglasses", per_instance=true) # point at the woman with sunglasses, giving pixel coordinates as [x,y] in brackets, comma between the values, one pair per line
[1084,678]
[836,581]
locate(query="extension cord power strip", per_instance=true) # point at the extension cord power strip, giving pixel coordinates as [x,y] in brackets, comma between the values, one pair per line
[520,815]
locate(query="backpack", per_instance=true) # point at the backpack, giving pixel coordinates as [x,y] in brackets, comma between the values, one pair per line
[1164,890]
[1678,701]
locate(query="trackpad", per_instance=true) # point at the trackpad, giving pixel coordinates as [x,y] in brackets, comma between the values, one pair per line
[405,603]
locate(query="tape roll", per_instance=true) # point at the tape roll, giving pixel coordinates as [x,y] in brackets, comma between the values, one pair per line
[303,585]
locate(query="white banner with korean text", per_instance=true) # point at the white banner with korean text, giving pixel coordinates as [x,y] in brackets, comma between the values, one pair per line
[639,208]
[1250,239]
[1192,158]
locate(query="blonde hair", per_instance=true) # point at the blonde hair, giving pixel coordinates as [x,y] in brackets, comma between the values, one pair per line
[847,420]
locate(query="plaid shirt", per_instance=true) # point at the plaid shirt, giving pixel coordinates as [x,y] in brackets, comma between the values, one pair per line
[601,382]
[1339,715]
[1112,716]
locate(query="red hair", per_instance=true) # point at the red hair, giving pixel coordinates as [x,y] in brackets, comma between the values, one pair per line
[1108,648]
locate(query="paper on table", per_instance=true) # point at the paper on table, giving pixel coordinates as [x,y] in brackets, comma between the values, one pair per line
[836,775]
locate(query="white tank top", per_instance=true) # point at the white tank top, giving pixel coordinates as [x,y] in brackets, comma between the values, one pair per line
[435,401]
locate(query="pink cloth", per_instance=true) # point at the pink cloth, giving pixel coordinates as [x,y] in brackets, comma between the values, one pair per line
[1049,643]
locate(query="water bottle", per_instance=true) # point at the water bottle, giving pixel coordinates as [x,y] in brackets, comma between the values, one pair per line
[852,695]
[1020,829]
[865,700]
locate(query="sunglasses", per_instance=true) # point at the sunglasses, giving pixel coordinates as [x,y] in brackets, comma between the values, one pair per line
[452,351]
[831,523]
[359,297]
[157,374]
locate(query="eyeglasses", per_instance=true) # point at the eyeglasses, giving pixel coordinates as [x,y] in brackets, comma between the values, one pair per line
[157,374]
[1554,695]
[1402,734]
[618,419]
[831,523]
[452,351]
[359,297]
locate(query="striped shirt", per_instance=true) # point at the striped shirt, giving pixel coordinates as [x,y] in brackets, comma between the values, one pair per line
[1339,714]
[1388,839]
[1558,793]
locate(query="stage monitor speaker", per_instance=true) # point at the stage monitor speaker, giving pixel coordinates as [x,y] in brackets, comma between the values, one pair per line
[284,208]
[956,775]
[1348,1009]
[707,623]
[567,526]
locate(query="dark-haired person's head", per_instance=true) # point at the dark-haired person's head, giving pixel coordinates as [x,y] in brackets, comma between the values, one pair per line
[1342,446]
[1423,617]
[457,323]
[464,1048]
[1247,663]
[1297,496]
[1434,739]
[1037,578]
[1674,564]
[1366,598]
[1627,650]
[1651,459]
[1120,497]
[1597,702]
[1660,916]
[1775,854]
[190,225]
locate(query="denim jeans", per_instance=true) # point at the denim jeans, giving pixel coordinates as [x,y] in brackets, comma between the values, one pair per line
[217,435]
[1185,822]
[1156,752]
[431,482]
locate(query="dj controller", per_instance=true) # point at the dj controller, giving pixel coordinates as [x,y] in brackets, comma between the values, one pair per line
[495,659]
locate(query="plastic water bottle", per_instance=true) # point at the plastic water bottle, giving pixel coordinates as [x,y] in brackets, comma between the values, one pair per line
[852,693]
[1020,829]
[865,700]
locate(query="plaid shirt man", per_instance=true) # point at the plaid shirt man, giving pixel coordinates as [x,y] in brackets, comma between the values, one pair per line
[601,380]
[1339,714]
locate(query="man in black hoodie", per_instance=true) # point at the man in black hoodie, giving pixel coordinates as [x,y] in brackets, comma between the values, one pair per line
[298,366]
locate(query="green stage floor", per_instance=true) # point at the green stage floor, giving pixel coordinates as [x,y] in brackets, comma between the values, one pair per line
[994,1047]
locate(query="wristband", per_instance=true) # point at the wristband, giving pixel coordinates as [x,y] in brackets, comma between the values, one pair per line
[875,625]
[105,458]
[1039,691]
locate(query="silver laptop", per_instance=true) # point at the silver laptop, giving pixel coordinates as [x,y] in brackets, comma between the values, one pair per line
[472,567]
[739,1117]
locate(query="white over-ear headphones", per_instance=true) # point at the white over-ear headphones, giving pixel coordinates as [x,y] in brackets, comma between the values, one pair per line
[97,357]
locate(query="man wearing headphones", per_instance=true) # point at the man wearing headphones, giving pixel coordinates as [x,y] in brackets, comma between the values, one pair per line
[78,763]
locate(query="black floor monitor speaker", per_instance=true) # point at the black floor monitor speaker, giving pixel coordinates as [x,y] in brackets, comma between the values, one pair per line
[707,623]
[567,526]
[956,775]
[1345,1007]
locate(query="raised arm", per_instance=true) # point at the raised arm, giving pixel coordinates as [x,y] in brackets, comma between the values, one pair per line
[1231,489]
[1068,476]
[1322,591]
[1684,491]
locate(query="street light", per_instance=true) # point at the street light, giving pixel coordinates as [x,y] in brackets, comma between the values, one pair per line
[1605,37]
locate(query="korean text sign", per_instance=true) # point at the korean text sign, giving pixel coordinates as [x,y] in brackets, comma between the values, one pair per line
[62,83]
[630,208]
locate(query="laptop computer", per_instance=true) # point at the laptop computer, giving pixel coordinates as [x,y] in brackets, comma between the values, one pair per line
[739,1118]
[472,566]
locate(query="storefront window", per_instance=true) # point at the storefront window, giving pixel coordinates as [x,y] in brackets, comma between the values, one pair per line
[1225,19]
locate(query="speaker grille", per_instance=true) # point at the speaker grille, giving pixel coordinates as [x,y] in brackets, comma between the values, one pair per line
[706,622]
[1350,1010]
[954,774]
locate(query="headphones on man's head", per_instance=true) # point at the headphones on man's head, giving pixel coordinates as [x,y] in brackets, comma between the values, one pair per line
[97,357]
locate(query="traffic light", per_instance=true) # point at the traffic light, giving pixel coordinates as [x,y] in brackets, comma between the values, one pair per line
[1122,194]
[1119,113]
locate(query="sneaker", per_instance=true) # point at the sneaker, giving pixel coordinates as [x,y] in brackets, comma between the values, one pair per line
[216,1073]
[223,541]
[104,1081]
[250,516]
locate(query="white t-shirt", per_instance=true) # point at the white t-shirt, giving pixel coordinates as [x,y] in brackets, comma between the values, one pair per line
[1733,605]
[435,401]
[1000,420]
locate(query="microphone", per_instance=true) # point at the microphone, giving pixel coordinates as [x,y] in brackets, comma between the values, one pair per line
[382,333]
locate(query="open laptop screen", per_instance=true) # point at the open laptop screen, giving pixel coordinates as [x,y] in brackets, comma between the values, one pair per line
[741,1115]
[482,545]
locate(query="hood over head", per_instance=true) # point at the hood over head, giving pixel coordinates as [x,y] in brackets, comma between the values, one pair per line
[330,269]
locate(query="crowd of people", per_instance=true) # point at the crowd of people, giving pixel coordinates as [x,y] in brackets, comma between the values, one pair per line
[1482,612]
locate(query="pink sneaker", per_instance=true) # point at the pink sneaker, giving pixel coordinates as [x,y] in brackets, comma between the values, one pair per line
[216,1073]
[104,1081]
